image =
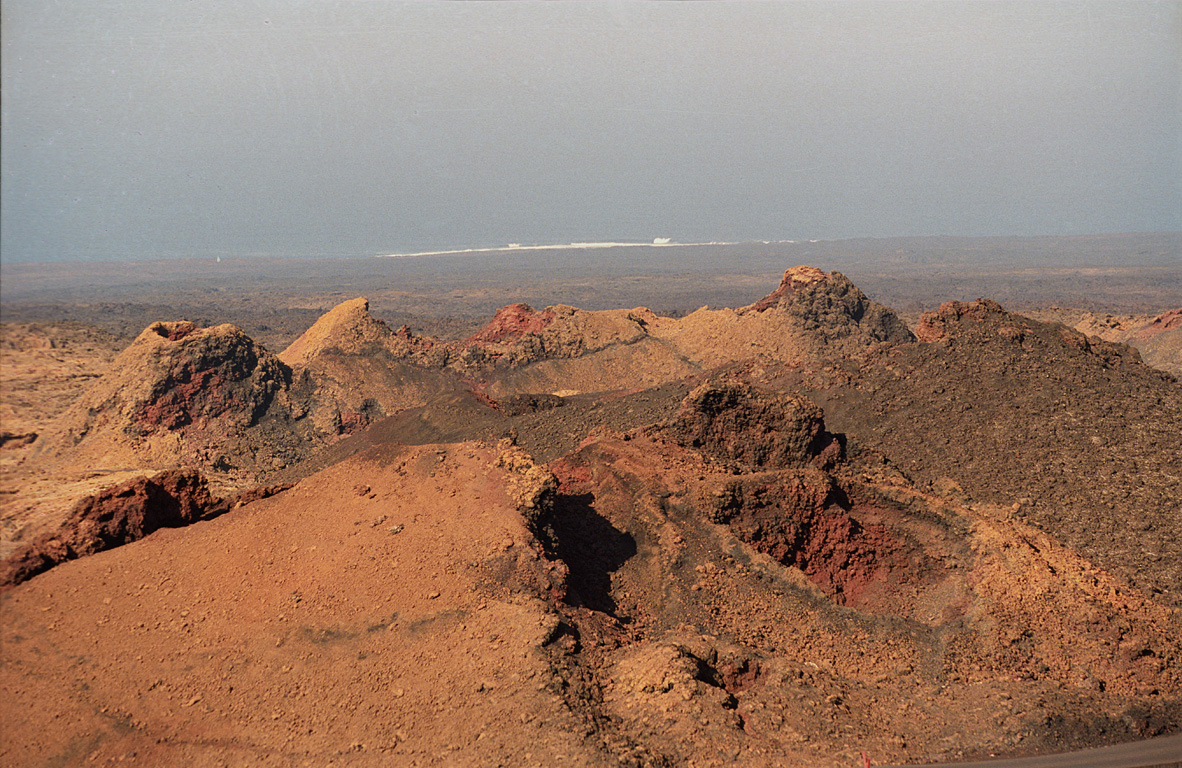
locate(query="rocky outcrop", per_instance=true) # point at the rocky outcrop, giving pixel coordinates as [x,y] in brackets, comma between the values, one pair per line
[511,323]
[178,393]
[518,335]
[516,405]
[16,439]
[734,422]
[125,513]
[1073,431]
[113,517]
[832,306]
[202,374]
[357,370]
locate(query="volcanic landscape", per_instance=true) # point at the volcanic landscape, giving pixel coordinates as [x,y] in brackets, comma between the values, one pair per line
[804,531]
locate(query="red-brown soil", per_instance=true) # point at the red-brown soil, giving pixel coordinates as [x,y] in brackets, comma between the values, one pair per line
[387,611]
[458,605]
[122,514]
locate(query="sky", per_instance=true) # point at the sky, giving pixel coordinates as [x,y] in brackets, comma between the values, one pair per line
[145,129]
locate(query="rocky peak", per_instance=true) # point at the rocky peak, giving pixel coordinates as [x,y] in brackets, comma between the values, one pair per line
[179,373]
[347,327]
[832,308]
[794,281]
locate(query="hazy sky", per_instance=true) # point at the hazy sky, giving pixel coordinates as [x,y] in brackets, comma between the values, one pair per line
[141,128]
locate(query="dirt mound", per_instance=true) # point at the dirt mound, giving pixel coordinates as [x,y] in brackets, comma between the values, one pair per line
[812,318]
[119,515]
[983,322]
[735,422]
[349,329]
[176,390]
[412,624]
[812,315]
[1073,432]
[350,370]
[635,601]
[353,370]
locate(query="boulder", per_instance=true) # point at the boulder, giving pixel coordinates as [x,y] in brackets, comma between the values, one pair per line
[735,422]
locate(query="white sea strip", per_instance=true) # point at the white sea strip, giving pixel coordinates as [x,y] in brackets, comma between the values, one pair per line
[660,242]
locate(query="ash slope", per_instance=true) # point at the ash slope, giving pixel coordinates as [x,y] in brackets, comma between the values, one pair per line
[1074,433]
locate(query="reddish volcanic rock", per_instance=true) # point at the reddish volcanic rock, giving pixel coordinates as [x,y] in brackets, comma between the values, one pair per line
[804,519]
[352,422]
[224,374]
[511,323]
[174,330]
[418,345]
[937,325]
[125,513]
[113,517]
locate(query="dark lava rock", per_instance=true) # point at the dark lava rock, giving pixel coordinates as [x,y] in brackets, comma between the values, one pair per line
[832,306]
[517,405]
[1074,433]
[756,429]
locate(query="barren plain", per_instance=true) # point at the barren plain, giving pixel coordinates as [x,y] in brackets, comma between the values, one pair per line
[689,507]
